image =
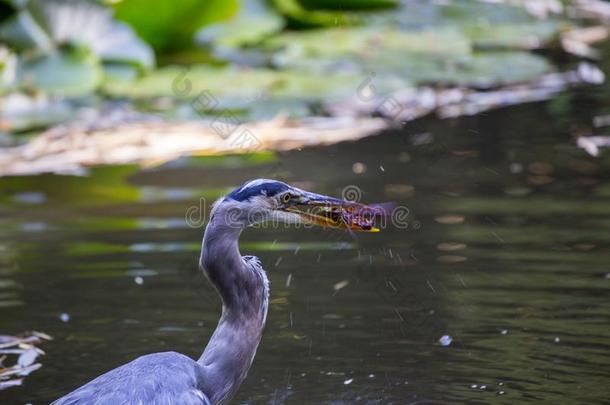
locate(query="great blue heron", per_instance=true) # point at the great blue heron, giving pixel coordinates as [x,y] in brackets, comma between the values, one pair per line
[173,378]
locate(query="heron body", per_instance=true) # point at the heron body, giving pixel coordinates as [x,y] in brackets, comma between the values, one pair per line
[172,378]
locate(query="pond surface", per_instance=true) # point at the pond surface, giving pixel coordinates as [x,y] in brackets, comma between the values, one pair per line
[506,254]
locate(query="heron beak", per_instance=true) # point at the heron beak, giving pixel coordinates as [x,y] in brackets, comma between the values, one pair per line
[330,212]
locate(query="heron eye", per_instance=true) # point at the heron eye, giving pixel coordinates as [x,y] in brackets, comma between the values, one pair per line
[286,197]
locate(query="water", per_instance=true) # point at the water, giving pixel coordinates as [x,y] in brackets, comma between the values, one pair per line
[496,293]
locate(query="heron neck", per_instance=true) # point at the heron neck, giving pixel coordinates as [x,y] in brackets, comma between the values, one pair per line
[243,289]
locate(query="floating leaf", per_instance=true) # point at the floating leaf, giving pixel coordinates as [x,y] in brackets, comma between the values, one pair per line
[531,35]
[64,73]
[440,56]
[366,42]
[21,112]
[170,25]
[10,383]
[27,358]
[348,4]
[298,16]
[23,346]
[8,69]
[27,370]
[49,24]
[253,14]
[482,70]
[241,88]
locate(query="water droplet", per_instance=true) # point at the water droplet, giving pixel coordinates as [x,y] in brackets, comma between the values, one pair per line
[30,197]
[500,392]
[340,285]
[483,387]
[504,331]
[371,375]
[450,219]
[474,386]
[348,381]
[557,340]
[450,246]
[516,167]
[138,280]
[445,340]
[358,168]
[64,317]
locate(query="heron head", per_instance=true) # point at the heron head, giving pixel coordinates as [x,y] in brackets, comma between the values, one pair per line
[264,200]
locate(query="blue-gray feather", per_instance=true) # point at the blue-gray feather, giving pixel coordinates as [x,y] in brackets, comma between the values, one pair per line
[157,379]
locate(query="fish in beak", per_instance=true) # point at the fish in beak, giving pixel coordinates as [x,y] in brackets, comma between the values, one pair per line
[330,212]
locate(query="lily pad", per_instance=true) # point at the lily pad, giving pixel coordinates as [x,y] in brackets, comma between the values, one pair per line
[63,73]
[259,19]
[21,112]
[418,14]
[481,70]
[170,25]
[420,57]
[8,69]
[513,36]
[366,41]
[348,4]
[48,24]
[298,16]
[223,87]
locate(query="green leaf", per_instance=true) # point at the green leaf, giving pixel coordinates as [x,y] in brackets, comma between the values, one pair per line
[8,69]
[49,24]
[365,42]
[262,93]
[348,4]
[253,22]
[21,112]
[62,73]
[513,36]
[481,70]
[170,25]
[299,17]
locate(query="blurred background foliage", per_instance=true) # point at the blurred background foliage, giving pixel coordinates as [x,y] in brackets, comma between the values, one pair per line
[72,47]
[58,54]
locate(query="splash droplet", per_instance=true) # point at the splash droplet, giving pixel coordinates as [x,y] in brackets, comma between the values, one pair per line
[445,340]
